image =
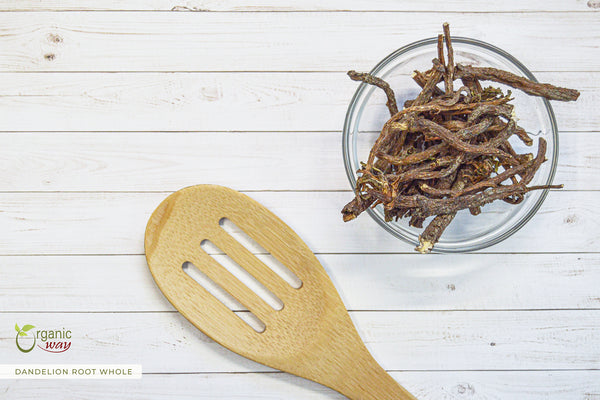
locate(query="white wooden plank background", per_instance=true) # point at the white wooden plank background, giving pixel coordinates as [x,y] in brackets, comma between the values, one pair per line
[108,106]
[304,5]
[108,41]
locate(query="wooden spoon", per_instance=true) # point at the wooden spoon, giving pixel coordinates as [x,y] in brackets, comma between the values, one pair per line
[312,336]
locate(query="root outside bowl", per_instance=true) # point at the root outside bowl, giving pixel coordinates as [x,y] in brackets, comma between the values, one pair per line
[367,113]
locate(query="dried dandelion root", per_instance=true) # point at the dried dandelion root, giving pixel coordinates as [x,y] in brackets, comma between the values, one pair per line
[448,150]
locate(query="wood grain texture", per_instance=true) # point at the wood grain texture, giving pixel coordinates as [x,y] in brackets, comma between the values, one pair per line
[303,5]
[158,161]
[365,282]
[311,336]
[413,340]
[98,98]
[209,101]
[108,41]
[444,385]
[113,223]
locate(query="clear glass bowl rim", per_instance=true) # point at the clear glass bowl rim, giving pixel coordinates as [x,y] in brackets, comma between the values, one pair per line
[346,149]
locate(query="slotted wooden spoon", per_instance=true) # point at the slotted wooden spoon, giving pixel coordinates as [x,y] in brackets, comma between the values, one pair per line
[312,336]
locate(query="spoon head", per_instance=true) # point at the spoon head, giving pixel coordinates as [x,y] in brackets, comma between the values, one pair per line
[310,313]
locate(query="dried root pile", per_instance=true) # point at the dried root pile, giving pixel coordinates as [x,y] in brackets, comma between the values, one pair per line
[449,150]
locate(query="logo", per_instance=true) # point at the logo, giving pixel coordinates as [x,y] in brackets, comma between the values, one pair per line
[22,332]
[50,340]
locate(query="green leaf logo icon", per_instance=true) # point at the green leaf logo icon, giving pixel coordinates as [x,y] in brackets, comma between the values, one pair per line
[23,332]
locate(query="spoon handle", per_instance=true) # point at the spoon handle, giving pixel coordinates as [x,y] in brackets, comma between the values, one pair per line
[343,363]
[367,380]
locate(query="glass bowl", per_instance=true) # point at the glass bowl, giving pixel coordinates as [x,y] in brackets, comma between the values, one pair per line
[367,113]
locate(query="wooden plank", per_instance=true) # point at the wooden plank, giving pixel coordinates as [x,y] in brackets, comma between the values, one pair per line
[304,5]
[114,223]
[365,282]
[126,161]
[414,340]
[182,41]
[490,385]
[157,161]
[216,101]
[444,385]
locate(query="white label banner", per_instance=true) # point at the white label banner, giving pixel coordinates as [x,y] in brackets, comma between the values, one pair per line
[70,371]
